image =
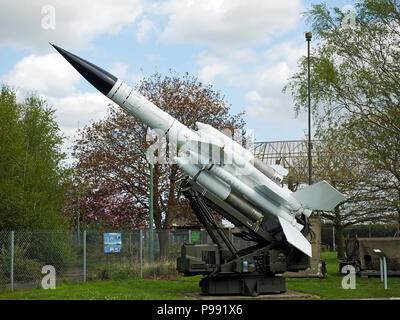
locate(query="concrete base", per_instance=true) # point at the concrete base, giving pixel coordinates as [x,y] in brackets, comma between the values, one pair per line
[248,285]
[276,296]
[317,266]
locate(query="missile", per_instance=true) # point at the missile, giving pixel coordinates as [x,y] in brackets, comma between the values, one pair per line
[275,173]
[219,188]
[246,184]
[241,160]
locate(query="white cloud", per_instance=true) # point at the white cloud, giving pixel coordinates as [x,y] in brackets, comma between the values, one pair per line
[77,22]
[48,74]
[153,58]
[122,71]
[227,22]
[51,77]
[136,78]
[76,111]
[261,74]
[208,73]
[269,107]
[145,27]
[119,69]
[226,65]
[265,101]
[79,108]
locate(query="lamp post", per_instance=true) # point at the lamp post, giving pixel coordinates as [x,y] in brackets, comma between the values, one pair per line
[308,38]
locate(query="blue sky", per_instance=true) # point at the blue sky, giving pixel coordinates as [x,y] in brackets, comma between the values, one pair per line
[247,49]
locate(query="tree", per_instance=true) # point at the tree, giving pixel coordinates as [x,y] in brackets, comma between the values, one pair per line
[113,150]
[355,88]
[335,162]
[32,179]
[105,207]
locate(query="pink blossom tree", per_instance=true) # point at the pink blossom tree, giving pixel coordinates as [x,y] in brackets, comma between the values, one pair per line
[105,207]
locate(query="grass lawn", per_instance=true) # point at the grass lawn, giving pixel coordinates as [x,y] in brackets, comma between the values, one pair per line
[143,289]
[331,286]
[133,289]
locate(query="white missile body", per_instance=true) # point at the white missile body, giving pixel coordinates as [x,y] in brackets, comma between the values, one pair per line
[137,105]
[243,182]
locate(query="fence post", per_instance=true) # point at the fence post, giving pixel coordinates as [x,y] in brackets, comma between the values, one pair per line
[84,255]
[12,262]
[141,252]
[385,272]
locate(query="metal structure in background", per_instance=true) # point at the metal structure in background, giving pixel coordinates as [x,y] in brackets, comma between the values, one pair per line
[290,154]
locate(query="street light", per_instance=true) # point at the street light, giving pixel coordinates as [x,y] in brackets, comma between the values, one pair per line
[308,38]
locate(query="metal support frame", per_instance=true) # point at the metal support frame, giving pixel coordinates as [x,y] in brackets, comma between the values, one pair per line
[206,218]
[383,266]
[229,274]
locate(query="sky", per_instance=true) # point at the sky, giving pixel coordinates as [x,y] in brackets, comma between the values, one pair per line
[246,49]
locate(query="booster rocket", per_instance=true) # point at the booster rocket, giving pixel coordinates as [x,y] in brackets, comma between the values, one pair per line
[242,181]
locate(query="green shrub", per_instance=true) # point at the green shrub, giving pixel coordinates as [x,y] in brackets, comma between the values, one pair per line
[25,268]
[158,270]
[50,248]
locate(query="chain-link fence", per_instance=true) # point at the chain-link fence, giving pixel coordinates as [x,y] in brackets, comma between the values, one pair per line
[328,233]
[83,256]
[23,254]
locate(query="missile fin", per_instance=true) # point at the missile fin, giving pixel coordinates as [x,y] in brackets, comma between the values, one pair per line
[280,170]
[295,237]
[319,196]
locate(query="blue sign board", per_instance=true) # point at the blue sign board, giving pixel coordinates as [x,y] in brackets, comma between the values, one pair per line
[112,242]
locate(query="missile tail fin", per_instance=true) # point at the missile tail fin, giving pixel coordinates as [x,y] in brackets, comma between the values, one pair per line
[319,196]
[295,237]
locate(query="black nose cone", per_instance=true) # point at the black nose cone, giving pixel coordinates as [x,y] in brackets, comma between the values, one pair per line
[99,78]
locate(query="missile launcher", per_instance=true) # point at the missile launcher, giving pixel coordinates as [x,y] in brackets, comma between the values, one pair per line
[224,177]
